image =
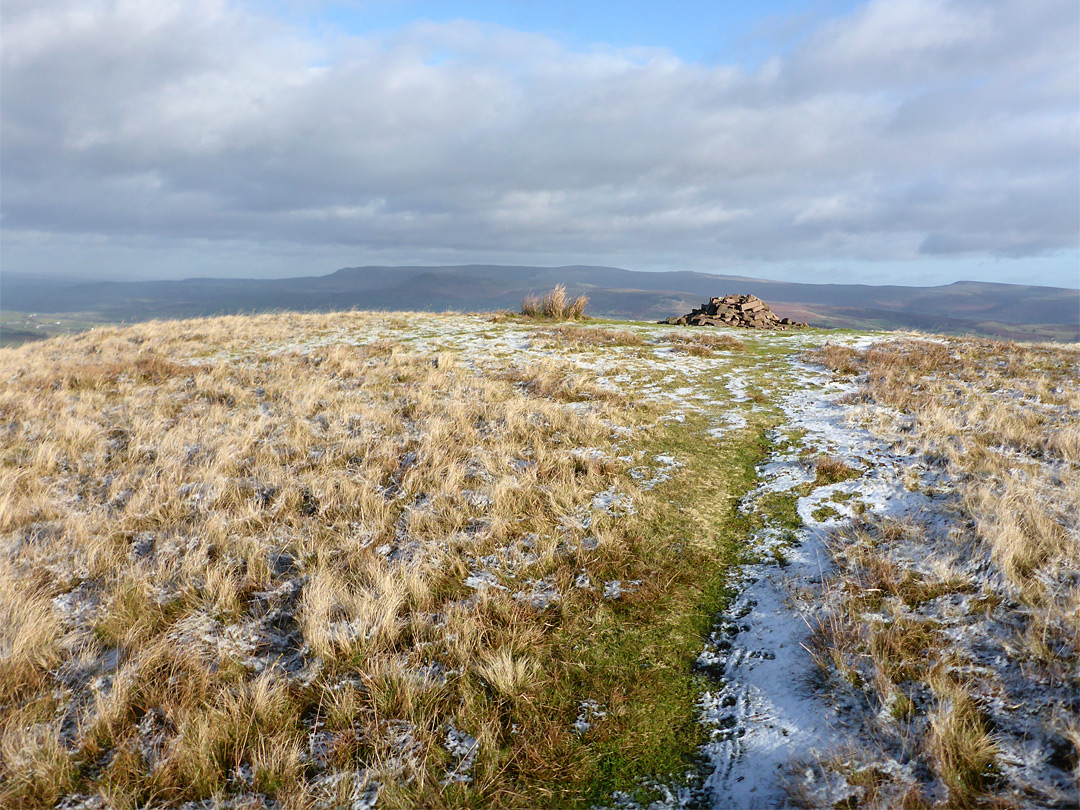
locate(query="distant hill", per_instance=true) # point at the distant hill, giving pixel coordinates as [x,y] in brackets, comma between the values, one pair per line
[1008,310]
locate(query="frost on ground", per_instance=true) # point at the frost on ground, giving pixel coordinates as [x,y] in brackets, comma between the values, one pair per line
[790,723]
[339,564]
[950,629]
[764,714]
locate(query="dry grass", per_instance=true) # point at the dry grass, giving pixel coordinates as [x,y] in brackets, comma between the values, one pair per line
[1006,419]
[236,572]
[871,636]
[555,305]
[554,378]
[959,743]
[574,336]
[831,470]
[703,344]
[841,359]
[1000,420]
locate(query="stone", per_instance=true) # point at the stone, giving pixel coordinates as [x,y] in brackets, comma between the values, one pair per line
[741,311]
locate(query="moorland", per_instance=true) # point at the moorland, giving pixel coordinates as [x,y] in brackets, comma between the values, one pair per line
[51,305]
[375,559]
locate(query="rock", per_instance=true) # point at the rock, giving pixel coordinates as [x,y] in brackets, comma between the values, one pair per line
[743,311]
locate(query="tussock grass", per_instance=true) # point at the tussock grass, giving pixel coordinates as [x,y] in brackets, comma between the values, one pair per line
[841,359]
[508,675]
[960,744]
[703,344]
[555,305]
[831,470]
[1000,419]
[578,336]
[558,379]
[233,564]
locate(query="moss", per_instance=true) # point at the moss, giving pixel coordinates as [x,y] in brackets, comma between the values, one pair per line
[823,513]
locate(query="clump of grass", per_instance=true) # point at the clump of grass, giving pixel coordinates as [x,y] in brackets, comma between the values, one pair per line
[557,379]
[703,344]
[507,675]
[832,470]
[555,305]
[29,632]
[584,336]
[960,745]
[841,359]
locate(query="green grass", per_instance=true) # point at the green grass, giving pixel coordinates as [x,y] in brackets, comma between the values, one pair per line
[638,662]
[17,328]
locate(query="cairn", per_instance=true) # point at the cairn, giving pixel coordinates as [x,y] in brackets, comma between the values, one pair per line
[743,311]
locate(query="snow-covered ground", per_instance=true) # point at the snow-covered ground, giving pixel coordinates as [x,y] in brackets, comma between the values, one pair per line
[765,715]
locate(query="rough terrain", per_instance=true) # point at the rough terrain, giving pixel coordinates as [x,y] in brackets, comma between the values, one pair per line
[600,467]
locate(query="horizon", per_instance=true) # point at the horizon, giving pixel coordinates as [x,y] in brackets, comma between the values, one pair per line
[907,143]
[94,280]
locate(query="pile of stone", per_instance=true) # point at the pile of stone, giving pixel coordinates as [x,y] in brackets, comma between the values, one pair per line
[746,311]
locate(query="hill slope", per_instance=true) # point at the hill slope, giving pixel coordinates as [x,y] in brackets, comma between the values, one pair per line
[1000,309]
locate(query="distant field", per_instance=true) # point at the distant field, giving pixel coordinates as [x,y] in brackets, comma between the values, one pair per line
[17,328]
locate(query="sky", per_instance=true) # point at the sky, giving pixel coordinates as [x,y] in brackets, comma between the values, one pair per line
[893,141]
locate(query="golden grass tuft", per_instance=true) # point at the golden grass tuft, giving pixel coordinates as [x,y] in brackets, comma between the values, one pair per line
[585,336]
[703,344]
[508,675]
[555,305]
[830,470]
[29,631]
[960,745]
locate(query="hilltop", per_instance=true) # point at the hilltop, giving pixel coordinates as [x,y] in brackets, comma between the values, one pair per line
[388,560]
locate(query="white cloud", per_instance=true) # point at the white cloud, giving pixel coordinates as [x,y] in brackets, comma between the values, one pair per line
[908,128]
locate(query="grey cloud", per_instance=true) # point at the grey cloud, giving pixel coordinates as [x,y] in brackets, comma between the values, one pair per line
[908,128]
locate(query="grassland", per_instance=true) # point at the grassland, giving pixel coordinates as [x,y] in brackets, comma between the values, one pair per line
[404,560]
[361,559]
[17,328]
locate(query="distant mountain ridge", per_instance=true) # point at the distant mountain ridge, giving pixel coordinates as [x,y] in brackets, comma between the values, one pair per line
[991,308]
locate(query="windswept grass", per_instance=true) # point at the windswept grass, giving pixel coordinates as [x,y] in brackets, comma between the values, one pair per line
[576,336]
[999,420]
[703,344]
[234,563]
[831,470]
[555,305]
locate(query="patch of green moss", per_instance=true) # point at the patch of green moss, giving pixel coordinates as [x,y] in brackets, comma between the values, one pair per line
[823,513]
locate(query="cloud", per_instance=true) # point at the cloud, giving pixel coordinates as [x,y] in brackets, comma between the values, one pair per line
[905,129]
